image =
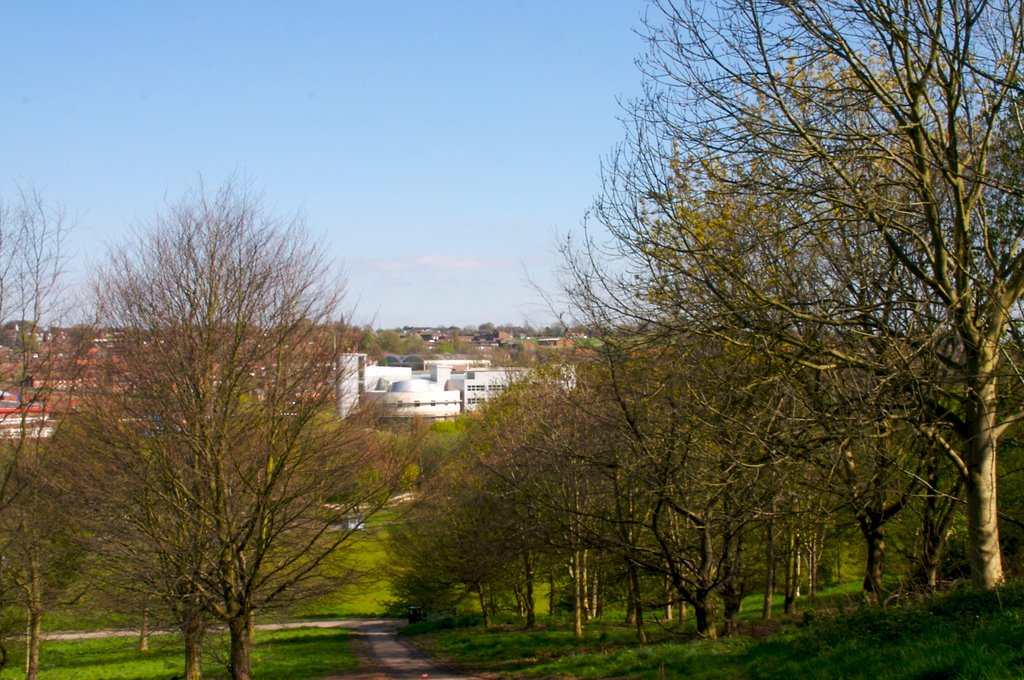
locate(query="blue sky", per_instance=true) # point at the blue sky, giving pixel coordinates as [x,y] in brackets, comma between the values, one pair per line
[437,147]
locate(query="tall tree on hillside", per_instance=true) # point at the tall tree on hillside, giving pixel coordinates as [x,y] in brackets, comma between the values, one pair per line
[809,130]
[215,468]
[531,441]
[685,447]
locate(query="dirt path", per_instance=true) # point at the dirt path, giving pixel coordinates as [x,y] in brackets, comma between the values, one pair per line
[386,656]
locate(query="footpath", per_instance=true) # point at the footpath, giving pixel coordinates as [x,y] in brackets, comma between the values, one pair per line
[384,655]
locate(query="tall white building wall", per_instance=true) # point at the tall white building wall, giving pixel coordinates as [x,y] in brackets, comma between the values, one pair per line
[351,369]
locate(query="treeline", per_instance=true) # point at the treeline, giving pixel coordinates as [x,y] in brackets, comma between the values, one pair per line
[676,481]
[807,273]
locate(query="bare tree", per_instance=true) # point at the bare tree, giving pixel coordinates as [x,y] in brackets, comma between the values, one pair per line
[33,232]
[34,550]
[215,467]
[529,444]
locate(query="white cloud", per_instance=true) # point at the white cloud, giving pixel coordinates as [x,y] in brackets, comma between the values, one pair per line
[438,263]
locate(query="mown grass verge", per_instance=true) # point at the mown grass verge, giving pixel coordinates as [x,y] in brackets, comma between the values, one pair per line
[361,588]
[299,654]
[956,635]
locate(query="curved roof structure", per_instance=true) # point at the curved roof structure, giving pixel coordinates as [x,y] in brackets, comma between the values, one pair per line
[416,385]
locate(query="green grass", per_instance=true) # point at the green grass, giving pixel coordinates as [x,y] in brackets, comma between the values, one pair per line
[369,594]
[957,635]
[85,616]
[365,597]
[305,653]
[302,654]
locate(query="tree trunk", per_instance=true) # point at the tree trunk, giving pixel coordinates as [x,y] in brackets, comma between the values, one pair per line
[551,591]
[485,611]
[702,616]
[585,580]
[531,615]
[702,602]
[250,628]
[874,539]
[669,595]
[34,630]
[790,586]
[797,579]
[193,655]
[4,655]
[240,648]
[813,560]
[635,603]
[732,587]
[577,596]
[732,599]
[939,510]
[769,577]
[35,622]
[518,592]
[630,599]
[144,631]
[982,520]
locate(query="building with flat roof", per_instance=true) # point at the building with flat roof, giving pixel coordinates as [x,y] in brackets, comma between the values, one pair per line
[436,393]
[481,385]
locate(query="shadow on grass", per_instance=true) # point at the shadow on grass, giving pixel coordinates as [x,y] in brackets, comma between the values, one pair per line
[299,654]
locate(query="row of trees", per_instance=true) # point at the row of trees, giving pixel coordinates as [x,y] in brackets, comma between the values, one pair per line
[837,184]
[633,477]
[807,272]
[203,474]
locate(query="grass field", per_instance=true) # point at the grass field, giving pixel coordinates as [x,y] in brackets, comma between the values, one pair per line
[301,654]
[368,595]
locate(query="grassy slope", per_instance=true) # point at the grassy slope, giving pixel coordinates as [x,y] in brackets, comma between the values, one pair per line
[959,635]
[368,595]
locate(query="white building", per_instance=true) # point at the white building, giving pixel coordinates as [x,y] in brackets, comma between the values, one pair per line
[433,395]
[417,397]
[481,385]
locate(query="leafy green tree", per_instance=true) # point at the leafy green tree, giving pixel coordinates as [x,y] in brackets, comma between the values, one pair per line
[412,343]
[389,342]
[455,543]
[43,551]
[785,151]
